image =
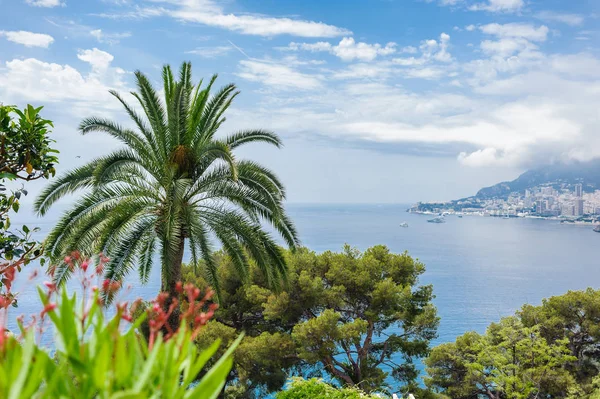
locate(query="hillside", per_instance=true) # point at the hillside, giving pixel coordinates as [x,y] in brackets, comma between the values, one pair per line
[556,175]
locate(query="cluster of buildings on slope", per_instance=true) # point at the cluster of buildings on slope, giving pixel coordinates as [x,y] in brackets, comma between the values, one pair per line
[545,201]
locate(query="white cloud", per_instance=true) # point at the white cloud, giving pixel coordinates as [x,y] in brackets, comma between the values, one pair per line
[109,38]
[565,18]
[411,61]
[55,83]
[522,30]
[348,49]
[515,104]
[28,39]
[428,73]
[518,106]
[312,47]
[582,65]
[364,71]
[210,52]
[437,50]
[276,76]
[210,13]
[507,47]
[485,157]
[508,6]
[98,59]
[45,3]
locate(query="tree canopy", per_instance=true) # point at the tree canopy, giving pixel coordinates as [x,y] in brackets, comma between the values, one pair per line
[360,317]
[546,351]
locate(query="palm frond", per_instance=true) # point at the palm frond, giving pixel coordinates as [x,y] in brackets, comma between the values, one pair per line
[154,110]
[173,184]
[68,183]
[251,136]
[139,121]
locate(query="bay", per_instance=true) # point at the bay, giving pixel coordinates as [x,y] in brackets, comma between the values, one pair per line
[481,268]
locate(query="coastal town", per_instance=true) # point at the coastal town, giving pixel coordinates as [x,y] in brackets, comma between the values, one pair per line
[572,204]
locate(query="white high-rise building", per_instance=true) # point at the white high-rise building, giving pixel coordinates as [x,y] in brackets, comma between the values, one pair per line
[579,190]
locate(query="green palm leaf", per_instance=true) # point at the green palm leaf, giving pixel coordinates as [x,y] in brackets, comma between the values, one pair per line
[173,186]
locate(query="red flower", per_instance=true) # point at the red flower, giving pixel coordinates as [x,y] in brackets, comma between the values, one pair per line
[48,308]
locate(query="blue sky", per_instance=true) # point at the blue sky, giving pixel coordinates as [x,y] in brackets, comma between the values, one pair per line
[377,100]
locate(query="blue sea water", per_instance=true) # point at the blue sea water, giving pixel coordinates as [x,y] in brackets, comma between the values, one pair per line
[481,268]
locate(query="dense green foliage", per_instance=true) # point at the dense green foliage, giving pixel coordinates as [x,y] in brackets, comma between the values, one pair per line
[174,184]
[25,154]
[549,351]
[95,358]
[314,388]
[25,145]
[359,317]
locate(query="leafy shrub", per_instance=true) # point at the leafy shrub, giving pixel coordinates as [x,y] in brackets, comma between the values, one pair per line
[25,154]
[99,357]
[317,388]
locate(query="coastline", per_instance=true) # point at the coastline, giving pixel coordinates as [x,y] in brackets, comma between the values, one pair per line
[562,220]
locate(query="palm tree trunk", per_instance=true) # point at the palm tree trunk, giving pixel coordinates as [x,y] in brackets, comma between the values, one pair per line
[173,276]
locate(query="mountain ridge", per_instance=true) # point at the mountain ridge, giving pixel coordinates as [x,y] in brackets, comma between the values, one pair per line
[558,175]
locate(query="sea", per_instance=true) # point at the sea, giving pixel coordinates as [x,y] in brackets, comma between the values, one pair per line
[481,268]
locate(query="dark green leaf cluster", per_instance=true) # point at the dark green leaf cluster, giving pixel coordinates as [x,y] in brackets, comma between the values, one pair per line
[25,145]
[17,247]
[360,317]
[547,351]
[25,154]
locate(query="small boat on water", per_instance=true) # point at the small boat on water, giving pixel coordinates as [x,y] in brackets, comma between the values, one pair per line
[597,229]
[403,224]
[439,219]
[460,216]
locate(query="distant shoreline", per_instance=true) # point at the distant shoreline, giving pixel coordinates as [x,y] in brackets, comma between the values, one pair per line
[517,216]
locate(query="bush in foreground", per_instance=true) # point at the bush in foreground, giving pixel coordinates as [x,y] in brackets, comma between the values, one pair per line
[96,357]
[316,388]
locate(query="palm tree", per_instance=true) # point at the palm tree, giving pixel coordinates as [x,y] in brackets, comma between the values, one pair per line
[173,186]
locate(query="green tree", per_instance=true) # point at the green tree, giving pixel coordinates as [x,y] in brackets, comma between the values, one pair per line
[511,361]
[25,145]
[173,184]
[574,316]
[26,154]
[361,316]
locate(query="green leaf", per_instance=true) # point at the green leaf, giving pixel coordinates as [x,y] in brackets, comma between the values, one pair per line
[149,365]
[18,384]
[214,380]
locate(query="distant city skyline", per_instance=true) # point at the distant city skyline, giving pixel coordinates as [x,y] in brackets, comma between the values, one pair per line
[376,101]
[538,201]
